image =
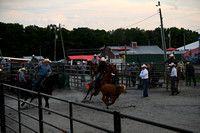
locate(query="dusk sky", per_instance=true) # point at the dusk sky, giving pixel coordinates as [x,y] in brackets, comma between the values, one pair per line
[101,14]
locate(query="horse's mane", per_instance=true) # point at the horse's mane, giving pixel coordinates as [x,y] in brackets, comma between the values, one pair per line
[51,80]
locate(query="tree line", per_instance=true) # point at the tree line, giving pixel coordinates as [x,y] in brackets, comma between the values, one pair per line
[18,41]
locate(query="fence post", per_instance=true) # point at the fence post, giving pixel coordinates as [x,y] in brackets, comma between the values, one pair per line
[19,114]
[91,78]
[77,77]
[71,116]
[122,73]
[40,112]
[117,122]
[3,128]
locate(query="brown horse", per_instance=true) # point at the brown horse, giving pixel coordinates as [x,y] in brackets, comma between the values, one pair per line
[180,73]
[94,68]
[106,78]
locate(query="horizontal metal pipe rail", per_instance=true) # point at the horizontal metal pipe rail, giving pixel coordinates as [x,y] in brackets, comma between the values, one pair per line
[117,115]
[21,124]
[156,124]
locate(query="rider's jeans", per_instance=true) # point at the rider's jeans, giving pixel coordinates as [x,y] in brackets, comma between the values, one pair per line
[39,78]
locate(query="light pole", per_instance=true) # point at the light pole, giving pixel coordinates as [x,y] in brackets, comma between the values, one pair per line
[199,44]
[162,32]
[55,28]
[62,42]
[169,35]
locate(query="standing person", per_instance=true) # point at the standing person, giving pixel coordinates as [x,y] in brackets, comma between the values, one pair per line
[83,69]
[95,61]
[191,73]
[34,60]
[128,75]
[44,71]
[134,70]
[174,89]
[194,59]
[144,75]
[22,79]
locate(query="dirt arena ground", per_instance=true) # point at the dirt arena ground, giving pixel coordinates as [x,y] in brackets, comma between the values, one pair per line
[181,111]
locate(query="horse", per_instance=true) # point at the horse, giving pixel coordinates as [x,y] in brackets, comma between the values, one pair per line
[94,68]
[180,73]
[46,86]
[106,78]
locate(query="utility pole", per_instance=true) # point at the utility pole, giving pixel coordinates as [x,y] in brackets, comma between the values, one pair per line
[55,31]
[162,32]
[62,42]
[199,44]
[184,40]
[169,35]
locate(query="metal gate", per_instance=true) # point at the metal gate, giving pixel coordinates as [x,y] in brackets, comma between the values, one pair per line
[5,127]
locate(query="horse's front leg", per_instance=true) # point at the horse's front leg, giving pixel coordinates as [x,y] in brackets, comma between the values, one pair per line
[95,93]
[90,88]
[47,103]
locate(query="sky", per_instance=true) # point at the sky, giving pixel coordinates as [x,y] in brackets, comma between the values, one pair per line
[102,14]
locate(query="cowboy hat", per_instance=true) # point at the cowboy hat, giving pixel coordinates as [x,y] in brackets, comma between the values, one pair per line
[47,60]
[23,69]
[128,64]
[171,55]
[33,55]
[103,59]
[78,63]
[188,63]
[0,70]
[172,64]
[84,62]
[19,70]
[144,65]
[133,63]
[95,55]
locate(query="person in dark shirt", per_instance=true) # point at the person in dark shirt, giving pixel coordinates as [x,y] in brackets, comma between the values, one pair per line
[101,69]
[34,60]
[190,73]
[171,59]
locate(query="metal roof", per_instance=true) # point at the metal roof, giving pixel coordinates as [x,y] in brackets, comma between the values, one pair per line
[190,46]
[138,50]
[37,57]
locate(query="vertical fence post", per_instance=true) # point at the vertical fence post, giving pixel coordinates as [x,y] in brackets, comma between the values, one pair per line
[122,73]
[19,114]
[117,122]
[71,116]
[77,77]
[91,78]
[40,112]
[3,122]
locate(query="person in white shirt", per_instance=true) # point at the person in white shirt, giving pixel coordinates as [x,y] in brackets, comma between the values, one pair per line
[144,75]
[174,89]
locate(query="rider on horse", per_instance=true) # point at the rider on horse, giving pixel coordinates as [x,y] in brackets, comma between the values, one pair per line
[34,60]
[95,61]
[45,70]
[171,59]
[101,69]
